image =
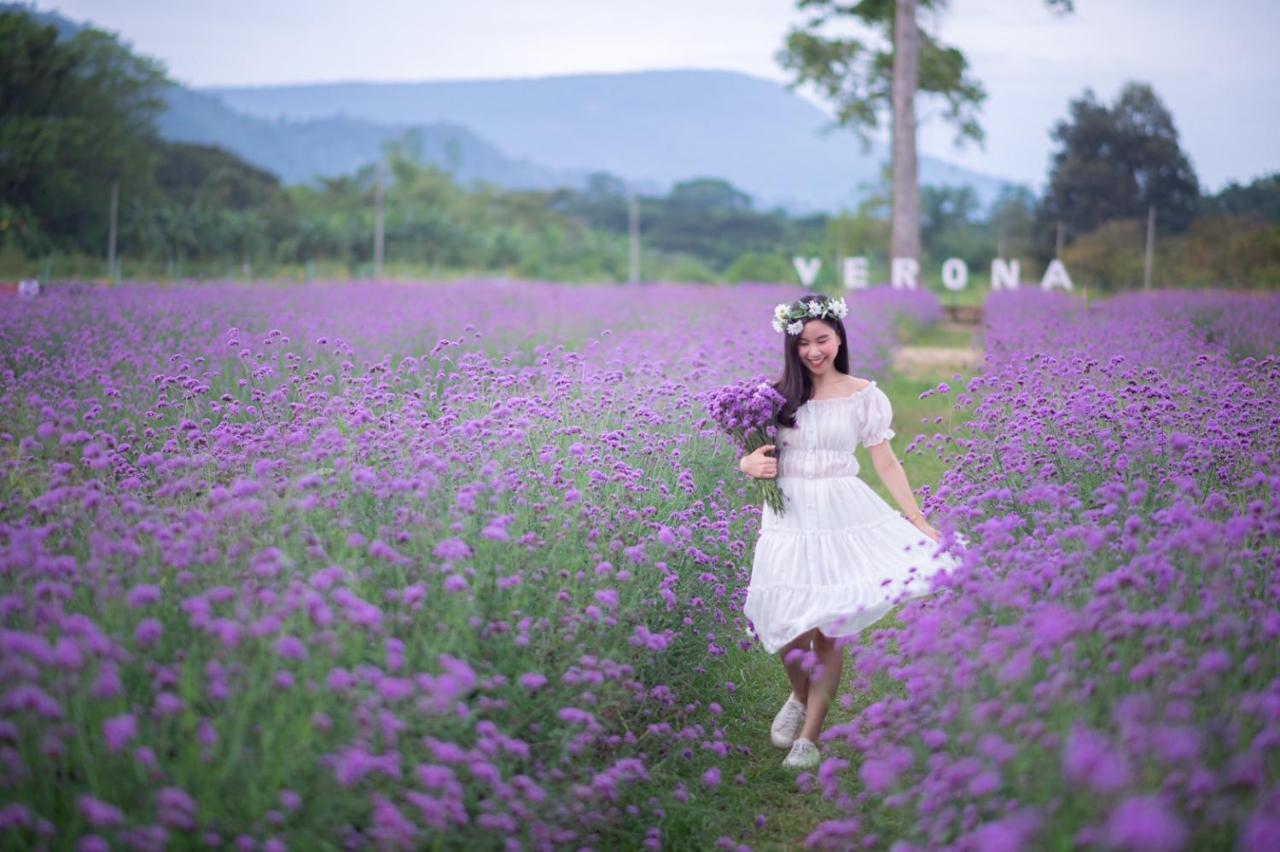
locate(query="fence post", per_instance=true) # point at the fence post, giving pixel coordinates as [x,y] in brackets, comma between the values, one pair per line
[378,232]
[1151,242]
[111,233]
[633,230]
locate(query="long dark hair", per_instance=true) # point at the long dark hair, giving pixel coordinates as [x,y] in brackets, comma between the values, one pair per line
[795,384]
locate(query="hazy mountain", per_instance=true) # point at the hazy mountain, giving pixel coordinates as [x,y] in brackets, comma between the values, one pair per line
[300,151]
[657,126]
[652,128]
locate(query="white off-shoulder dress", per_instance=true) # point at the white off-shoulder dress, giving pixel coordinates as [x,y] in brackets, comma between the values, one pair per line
[839,557]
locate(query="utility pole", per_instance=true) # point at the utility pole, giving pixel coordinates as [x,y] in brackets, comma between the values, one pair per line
[378,196]
[1057,252]
[111,233]
[633,216]
[1151,245]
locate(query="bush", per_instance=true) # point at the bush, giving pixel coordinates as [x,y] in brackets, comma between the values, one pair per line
[1216,251]
[760,266]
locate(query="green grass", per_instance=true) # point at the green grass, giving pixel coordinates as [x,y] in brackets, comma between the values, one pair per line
[913,416]
[949,336]
[974,294]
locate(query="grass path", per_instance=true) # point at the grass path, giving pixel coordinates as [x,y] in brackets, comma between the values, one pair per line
[761,685]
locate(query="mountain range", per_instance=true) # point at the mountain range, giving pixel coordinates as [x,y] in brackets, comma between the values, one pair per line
[651,127]
[303,151]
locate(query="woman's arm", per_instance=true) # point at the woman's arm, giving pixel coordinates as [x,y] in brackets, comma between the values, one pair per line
[895,479]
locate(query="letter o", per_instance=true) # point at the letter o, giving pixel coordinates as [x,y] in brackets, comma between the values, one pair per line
[955,274]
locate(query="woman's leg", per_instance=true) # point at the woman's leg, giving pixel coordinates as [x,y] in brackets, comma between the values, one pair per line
[822,689]
[795,668]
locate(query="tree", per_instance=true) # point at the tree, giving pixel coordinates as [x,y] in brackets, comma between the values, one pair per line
[604,186]
[1260,199]
[1115,162]
[1011,222]
[709,194]
[866,77]
[202,174]
[951,225]
[946,208]
[78,117]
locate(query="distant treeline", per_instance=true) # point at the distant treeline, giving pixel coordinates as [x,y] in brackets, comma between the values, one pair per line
[79,117]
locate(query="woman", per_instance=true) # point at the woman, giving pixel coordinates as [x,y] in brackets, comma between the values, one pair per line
[839,557]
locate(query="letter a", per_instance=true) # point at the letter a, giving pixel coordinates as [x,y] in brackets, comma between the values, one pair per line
[1056,276]
[807,268]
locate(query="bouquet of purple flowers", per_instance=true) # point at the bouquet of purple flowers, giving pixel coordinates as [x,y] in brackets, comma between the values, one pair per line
[746,411]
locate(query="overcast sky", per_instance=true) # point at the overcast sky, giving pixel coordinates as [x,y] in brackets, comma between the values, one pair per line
[1215,64]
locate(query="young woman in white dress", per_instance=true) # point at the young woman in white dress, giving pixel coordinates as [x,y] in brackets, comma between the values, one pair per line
[839,557]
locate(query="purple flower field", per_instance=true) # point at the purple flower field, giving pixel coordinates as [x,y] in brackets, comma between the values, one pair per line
[399,566]
[375,565]
[1105,673]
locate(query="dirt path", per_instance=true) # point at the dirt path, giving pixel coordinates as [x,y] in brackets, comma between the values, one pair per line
[925,361]
[921,361]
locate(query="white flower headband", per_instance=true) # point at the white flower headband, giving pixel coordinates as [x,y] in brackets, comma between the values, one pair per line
[791,318]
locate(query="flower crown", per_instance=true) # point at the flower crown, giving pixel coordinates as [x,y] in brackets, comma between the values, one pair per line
[791,318]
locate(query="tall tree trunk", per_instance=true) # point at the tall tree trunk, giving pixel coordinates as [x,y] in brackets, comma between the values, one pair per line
[904,240]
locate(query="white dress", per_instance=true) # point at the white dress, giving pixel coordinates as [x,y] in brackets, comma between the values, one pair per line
[839,557]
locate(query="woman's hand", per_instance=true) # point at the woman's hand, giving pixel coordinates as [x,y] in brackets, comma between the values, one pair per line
[921,524]
[758,464]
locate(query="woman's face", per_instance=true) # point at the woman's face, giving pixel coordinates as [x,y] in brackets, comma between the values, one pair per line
[818,347]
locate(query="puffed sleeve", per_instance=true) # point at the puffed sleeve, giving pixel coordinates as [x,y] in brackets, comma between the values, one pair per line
[879,414]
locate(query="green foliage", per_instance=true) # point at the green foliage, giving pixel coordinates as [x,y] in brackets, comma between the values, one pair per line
[202,174]
[705,218]
[760,266]
[708,195]
[951,225]
[945,208]
[1114,162]
[1216,251]
[718,234]
[1260,199]
[1227,251]
[1012,222]
[855,73]
[864,232]
[1109,257]
[77,118]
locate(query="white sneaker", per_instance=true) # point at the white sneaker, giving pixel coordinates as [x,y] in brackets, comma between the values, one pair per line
[787,724]
[804,755]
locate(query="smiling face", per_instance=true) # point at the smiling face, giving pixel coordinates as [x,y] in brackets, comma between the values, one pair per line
[818,346]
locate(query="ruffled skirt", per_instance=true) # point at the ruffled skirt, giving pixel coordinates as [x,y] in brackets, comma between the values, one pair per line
[838,559]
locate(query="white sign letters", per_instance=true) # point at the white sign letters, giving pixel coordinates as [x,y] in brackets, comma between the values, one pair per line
[955,274]
[855,273]
[807,268]
[1056,276]
[905,273]
[1004,274]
